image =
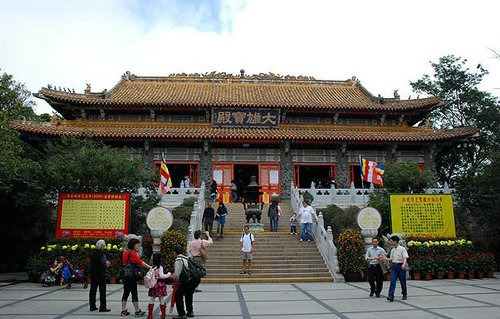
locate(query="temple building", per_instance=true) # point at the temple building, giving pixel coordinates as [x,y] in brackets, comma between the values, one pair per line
[281,129]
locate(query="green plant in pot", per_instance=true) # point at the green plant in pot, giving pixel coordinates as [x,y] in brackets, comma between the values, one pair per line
[351,253]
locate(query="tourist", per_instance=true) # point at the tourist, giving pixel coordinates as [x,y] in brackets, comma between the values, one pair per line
[213,191]
[306,216]
[208,217]
[234,191]
[398,257]
[130,285]
[247,247]
[196,246]
[185,290]
[220,216]
[98,266]
[375,276]
[51,274]
[160,289]
[273,214]
[187,182]
[293,224]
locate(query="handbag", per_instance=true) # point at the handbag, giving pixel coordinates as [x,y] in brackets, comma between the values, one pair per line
[131,271]
[203,254]
[385,266]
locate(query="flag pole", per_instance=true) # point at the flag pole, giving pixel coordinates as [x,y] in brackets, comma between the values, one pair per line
[362,180]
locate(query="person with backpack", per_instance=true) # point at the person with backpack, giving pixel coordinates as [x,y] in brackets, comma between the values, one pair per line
[274,214]
[159,290]
[246,243]
[186,286]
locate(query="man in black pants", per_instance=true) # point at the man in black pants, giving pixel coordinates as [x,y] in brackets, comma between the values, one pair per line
[186,289]
[375,276]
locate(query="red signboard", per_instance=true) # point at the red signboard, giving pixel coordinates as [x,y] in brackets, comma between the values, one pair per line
[93,215]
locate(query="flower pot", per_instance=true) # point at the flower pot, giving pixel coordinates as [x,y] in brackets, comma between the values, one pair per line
[112,280]
[88,280]
[451,275]
[489,274]
[352,277]
[461,275]
[470,274]
[417,276]
[480,275]
[388,276]
[439,276]
[427,276]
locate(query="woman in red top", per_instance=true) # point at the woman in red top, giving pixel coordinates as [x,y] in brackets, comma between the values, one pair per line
[130,286]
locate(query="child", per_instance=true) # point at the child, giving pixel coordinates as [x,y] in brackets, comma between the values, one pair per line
[293,224]
[160,289]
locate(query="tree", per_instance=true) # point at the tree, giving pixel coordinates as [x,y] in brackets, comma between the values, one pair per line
[85,165]
[463,105]
[25,212]
[398,178]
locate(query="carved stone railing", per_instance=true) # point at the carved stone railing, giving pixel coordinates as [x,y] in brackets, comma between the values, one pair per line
[322,237]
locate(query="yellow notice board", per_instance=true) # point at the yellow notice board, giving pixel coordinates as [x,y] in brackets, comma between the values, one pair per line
[421,214]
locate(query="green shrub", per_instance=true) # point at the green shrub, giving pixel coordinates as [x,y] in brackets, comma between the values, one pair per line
[339,219]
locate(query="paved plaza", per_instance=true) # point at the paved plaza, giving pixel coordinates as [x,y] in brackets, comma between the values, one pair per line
[477,298]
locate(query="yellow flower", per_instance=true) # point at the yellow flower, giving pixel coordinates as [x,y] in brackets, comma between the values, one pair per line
[86,246]
[42,248]
[49,249]
[93,246]
[115,247]
[64,247]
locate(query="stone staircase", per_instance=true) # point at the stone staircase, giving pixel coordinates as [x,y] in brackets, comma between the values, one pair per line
[278,256]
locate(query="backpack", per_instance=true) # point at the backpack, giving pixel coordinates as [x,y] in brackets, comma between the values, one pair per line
[150,279]
[251,237]
[193,270]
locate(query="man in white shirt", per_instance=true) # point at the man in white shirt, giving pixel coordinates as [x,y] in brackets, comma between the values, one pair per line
[247,241]
[306,216]
[398,257]
[375,276]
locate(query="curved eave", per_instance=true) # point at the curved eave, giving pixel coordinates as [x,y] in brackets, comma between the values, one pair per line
[198,131]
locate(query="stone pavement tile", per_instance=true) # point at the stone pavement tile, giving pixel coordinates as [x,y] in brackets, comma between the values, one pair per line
[410,314]
[441,301]
[474,313]
[490,298]
[286,308]
[364,304]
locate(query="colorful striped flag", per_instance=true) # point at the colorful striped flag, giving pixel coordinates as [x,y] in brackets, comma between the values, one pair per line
[165,180]
[371,171]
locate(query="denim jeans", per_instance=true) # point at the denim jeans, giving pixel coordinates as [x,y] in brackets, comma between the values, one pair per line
[397,272]
[273,220]
[234,196]
[305,231]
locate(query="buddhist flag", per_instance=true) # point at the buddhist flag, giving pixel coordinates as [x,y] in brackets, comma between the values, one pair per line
[371,171]
[165,180]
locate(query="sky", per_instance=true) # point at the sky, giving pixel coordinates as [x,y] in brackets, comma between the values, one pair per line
[385,44]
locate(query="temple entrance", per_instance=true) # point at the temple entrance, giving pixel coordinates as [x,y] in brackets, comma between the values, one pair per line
[266,175]
[321,175]
[178,171]
[241,176]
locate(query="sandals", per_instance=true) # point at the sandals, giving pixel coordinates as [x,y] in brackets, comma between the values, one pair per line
[249,272]
[243,272]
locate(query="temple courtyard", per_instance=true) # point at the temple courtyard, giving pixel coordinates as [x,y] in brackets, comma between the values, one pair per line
[457,298]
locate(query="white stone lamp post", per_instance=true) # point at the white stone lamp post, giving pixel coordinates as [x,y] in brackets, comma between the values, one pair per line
[369,221]
[159,220]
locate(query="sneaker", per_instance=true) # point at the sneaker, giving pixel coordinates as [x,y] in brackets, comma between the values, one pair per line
[139,313]
[124,313]
[301,239]
[405,297]
[190,315]
[291,233]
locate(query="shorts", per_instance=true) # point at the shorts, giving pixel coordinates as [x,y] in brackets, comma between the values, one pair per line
[246,255]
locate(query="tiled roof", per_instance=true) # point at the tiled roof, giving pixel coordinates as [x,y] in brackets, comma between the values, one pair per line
[233,91]
[207,131]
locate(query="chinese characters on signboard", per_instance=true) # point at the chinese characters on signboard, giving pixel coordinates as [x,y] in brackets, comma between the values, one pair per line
[423,215]
[92,215]
[248,117]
